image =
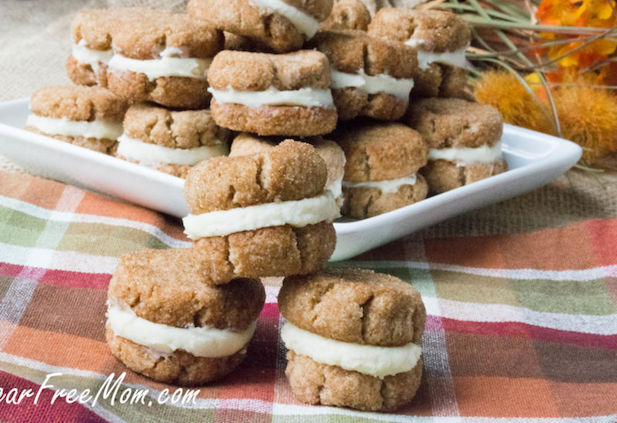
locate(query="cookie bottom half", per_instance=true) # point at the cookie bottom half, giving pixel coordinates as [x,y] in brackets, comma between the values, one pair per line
[317,383]
[83,74]
[352,102]
[444,175]
[102,145]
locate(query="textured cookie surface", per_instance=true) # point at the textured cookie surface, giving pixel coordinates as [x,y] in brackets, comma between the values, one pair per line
[245,71]
[271,30]
[363,202]
[271,251]
[179,368]
[439,80]
[434,30]
[96,26]
[77,103]
[173,129]
[173,287]
[443,175]
[332,154]
[84,74]
[354,305]
[347,14]
[453,122]
[377,152]
[317,383]
[291,171]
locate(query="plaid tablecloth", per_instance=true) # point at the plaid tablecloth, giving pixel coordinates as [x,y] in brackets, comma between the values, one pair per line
[521,327]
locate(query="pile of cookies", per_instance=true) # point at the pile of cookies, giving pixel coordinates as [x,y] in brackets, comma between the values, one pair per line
[169,90]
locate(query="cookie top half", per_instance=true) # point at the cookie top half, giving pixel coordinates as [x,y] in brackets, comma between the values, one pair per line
[353,51]
[347,14]
[173,129]
[291,171]
[148,34]
[431,30]
[381,151]
[245,71]
[78,103]
[354,305]
[454,122]
[169,287]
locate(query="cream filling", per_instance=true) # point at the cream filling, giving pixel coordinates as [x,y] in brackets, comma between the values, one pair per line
[304,22]
[336,188]
[199,341]
[388,186]
[89,56]
[307,97]
[400,87]
[425,58]
[186,67]
[307,211]
[367,359]
[464,155]
[72,128]
[152,154]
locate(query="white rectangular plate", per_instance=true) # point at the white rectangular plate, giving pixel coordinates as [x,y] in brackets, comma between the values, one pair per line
[534,160]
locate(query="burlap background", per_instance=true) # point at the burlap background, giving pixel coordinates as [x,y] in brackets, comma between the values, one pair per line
[34,43]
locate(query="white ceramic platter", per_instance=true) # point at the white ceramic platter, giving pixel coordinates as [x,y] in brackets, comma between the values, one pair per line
[534,160]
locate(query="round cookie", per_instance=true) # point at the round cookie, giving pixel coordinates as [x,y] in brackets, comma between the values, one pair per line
[347,14]
[330,152]
[440,37]
[89,117]
[163,58]
[162,293]
[265,214]
[463,139]
[370,76]
[272,94]
[277,25]
[170,141]
[381,169]
[347,310]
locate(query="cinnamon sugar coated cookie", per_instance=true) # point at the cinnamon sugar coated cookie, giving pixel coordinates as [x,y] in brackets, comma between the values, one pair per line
[270,94]
[265,214]
[353,338]
[165,322]
[464,140]
[381,172]
[441,38]
[278,25]
[163,58]
[370,76]
[89,117]
[170,141]
[347,14]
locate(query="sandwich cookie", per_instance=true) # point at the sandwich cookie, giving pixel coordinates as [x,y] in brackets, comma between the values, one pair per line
[370,76]
[277,25]
[354,339]
[163,58]
[170,141]
[329,151]
[464,140]
[441,38]
[381,172]
[272,94]
[265,214]
[347,14]
[165,322]
[89,117]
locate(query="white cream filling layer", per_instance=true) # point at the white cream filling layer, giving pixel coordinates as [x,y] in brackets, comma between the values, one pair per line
[336,188]
[152,154]
[425,58]
[484,154]
[399,87]
[201,342]
[307,211]
[72,128]
[304,22]
[89,56]
[367,359]
[388,186]
[186,67]
[307,97]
